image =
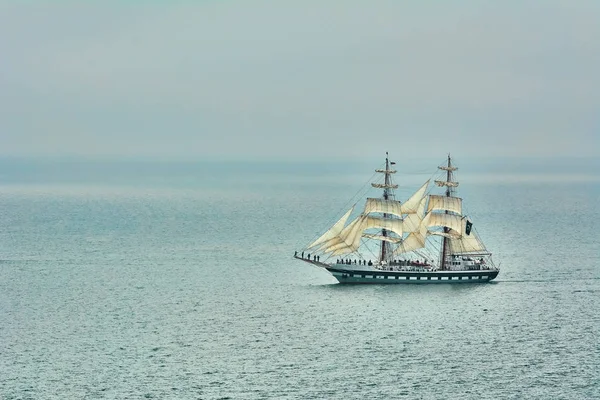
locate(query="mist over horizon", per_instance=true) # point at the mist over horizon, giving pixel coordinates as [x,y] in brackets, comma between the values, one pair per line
[351,172]
[299,80]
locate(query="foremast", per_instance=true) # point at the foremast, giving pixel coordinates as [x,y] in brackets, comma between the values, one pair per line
[388,193]
[450,184]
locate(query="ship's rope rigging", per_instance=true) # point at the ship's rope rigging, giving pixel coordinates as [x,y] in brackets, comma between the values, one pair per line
[363,244]
[360,195]
[366,245]
[354,200]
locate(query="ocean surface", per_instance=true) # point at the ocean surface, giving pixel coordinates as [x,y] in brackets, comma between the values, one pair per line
[158,280]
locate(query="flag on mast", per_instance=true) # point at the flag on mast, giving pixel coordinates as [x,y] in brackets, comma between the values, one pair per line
[468,227]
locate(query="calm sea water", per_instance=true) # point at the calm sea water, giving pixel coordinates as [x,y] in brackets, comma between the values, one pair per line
[126,281]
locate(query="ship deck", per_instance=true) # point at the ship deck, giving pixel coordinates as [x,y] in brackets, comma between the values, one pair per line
[373,275]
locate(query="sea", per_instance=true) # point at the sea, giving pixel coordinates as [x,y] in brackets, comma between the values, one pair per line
[156,279]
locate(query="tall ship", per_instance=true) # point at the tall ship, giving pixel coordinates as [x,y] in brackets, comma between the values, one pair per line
[426,239]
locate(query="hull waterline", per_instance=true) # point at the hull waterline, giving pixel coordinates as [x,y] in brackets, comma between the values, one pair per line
[411,277]
[372,275]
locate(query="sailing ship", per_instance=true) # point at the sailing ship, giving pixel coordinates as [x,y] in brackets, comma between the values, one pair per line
[426,239]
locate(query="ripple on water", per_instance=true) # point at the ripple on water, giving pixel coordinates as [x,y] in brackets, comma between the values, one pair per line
[178,300]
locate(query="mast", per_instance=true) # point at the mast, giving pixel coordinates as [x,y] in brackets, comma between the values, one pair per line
[385,197]
[449,190]
[388,193]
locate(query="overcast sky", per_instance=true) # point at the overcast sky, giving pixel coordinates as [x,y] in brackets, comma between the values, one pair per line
[285,79]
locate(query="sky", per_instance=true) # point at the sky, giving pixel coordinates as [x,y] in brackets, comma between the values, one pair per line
[272,79]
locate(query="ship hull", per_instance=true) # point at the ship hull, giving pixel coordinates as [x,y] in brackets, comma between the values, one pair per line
[349,276]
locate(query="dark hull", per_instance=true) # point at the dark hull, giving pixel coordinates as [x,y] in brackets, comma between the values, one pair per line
[403,277]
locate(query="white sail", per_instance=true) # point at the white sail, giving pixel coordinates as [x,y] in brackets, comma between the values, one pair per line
[448,220]
[383,206]
[394,225]
[412,222]
[342,251]
[386,171]
[466,243]
[444,203]
[411,206]
[349,239]
[346,238]
[413,241]
[445,183]
[394,207]
[355,235]
[335,230]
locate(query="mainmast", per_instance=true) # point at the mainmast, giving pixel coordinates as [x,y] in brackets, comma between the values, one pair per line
[450,185]
[388,193]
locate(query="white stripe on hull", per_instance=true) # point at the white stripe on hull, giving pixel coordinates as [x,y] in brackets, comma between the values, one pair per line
[463,277]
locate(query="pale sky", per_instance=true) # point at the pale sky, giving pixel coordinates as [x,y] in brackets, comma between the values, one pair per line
[272,79]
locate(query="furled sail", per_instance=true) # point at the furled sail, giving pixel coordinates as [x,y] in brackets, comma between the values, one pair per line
[450,235]
[445,183]
[335,230]
[444,168]
[384,186]
[391,239]
[444,203]
[386,171]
